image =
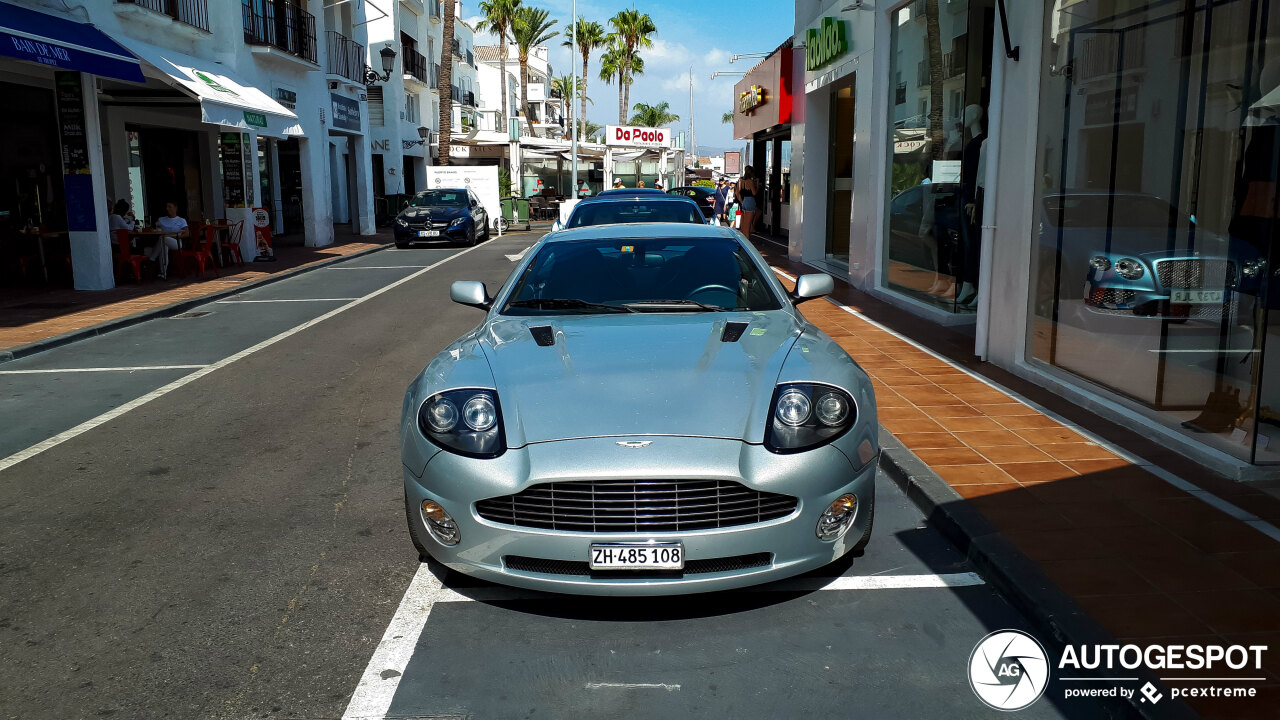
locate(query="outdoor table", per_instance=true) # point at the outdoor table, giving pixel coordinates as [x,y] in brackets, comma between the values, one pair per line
[40,238]
[222,233]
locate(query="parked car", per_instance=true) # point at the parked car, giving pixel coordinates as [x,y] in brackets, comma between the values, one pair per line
[924,227]
[641,411]
[704,196]
[633,206]
[1135,254]
[454,214]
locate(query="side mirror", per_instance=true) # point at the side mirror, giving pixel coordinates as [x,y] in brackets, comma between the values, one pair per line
[812,286]
[470,292]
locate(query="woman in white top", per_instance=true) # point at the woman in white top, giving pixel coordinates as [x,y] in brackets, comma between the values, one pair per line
[175,225]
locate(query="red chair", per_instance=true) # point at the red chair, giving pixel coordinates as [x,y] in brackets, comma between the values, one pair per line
[126,258]
[231,248]
[201,251]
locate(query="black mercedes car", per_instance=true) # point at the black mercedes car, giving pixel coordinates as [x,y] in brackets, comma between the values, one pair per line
[704,196]
[452,214]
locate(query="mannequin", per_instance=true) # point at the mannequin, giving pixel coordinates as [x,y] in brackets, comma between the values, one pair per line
[973,173]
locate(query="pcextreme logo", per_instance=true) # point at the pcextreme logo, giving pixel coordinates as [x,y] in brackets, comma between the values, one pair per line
[1009,670]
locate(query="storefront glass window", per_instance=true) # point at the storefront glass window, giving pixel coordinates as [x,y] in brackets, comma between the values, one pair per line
[942,66]
[1156,212]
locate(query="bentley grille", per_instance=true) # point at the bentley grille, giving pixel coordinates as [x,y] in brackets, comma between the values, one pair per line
[1195,274]
[620,506]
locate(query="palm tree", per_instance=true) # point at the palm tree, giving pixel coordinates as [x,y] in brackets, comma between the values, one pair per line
[653,115]
[564,85]
[532,28]
[726,118]
[611,68]
[445,85]
[933,35]
[632,30]
[499,18]
[591,35]
[591,130]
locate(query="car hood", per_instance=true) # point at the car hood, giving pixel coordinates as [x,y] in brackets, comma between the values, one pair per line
[624,375]
[435,214]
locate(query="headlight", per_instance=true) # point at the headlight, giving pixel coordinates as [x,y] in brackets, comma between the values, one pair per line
[1100,263]
[401,221]
[1254,268]
[1129,269]
[475,430]
[458,222]
[803,416]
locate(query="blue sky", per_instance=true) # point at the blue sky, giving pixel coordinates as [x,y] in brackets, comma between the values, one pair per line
[699,33]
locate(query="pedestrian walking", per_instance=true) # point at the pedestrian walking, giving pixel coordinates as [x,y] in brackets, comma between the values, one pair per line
[721,201]
[746,192]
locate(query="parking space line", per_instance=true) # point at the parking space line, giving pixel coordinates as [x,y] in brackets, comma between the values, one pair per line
[138,402]
[878,582]
[49,371]
[633,686]
[279,300]
[373,267]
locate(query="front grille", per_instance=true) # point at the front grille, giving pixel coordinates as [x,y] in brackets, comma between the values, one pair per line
[620,506]
[1112,296]
[1196,274]
[543,566]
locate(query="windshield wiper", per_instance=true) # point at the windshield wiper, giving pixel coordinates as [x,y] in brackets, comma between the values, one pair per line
[674,305]
[567,304]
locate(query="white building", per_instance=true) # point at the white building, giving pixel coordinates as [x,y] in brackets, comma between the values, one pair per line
[545,104]
[405,108]
[219,112]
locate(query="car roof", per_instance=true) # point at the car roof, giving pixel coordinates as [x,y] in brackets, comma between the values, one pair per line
[621,231]
[614,192]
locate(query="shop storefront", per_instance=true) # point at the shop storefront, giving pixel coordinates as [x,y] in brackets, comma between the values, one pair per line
[764,111]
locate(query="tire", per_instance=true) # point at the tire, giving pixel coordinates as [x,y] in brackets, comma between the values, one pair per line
[413,531]
[861,545]
[471,237]
[488,231]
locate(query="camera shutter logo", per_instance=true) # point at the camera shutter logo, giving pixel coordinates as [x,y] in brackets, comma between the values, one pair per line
[1008,670]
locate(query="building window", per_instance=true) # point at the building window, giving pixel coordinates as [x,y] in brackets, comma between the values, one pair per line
[1156,216]
[410,108]
[933,234]
[375,105]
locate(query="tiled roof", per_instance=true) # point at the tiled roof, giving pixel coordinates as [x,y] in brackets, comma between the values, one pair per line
[488,53]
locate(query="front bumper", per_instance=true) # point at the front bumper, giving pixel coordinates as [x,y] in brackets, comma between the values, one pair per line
[816,478]
[410,234]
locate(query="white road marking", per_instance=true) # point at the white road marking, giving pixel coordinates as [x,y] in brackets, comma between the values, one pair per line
[381,678]
[633,686]
[1196,491]
[110,415]
[101,369]
[374,267]
[520,255]
[236,302]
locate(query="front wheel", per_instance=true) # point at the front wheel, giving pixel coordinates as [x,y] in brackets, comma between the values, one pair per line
[487,230]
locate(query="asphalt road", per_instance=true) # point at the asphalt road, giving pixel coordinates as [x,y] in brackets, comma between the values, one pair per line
[221,535]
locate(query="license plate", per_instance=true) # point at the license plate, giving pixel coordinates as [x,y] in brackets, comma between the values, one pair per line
[625,556]
[428,233]
[1196,297]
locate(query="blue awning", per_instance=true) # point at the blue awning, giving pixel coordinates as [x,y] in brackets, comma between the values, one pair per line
[48,40]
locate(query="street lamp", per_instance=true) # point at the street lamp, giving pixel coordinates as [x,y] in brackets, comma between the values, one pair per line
[388,59]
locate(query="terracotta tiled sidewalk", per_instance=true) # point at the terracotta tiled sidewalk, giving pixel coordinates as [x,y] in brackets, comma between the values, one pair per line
[31,314]
[1148,561]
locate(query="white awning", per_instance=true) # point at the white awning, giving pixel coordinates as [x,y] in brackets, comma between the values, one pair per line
[224,100]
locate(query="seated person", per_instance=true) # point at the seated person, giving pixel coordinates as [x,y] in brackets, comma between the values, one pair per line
[121,217]
[175,228]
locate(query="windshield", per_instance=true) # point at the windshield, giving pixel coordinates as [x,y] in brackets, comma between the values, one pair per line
[641,275]
[635,211]
[438,198]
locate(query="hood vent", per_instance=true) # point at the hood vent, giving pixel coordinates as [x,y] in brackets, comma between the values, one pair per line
[543,335]
[733,331]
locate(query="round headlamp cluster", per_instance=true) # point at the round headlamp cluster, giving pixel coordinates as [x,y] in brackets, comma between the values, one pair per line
[806,415]
[1129,269]
[1254,268]
[467,422]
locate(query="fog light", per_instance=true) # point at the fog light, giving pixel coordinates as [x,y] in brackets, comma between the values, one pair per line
[440,524]
[837,518]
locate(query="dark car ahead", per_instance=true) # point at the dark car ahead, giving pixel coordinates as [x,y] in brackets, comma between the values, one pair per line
[704,196]
[634,206]
[453,214]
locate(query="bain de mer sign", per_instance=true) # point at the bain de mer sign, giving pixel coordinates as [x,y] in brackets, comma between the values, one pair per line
[825,43]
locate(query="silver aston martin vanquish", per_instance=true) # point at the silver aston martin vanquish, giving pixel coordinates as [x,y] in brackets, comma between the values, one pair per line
[642,411]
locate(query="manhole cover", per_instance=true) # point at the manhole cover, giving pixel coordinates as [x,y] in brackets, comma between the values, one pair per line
[190,315]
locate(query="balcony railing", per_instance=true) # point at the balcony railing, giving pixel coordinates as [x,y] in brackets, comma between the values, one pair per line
[191,12]
[471,58]
[346,56]
[282,25]
[468,99]
[416,64]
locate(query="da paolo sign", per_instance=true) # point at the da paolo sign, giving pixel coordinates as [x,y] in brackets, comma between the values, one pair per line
[638,136]
[825,43]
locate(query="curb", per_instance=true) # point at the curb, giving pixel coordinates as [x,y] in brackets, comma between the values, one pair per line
[49,343]
[1011,573]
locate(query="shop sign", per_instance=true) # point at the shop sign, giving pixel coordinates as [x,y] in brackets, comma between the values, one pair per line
[346,112]
[908,146]
[214,83]
[262,234]
[751,98]
[75,146]
[287,98]
[232,170]
[255,119]
[825,43]
[637,136]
